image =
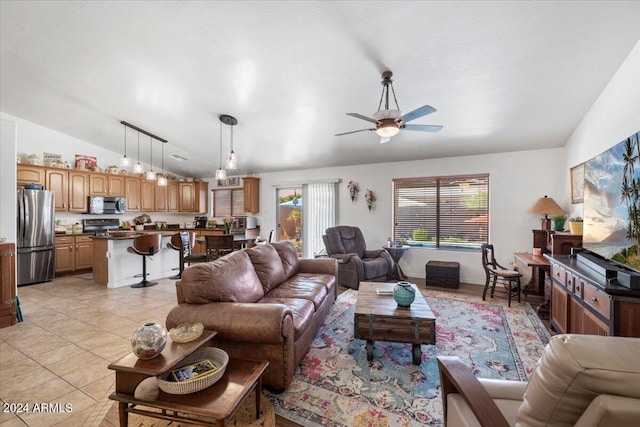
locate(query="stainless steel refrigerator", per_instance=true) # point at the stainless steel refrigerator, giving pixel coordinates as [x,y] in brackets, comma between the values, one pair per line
[35,240]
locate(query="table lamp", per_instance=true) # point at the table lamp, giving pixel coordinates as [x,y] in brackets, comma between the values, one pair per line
[546,206]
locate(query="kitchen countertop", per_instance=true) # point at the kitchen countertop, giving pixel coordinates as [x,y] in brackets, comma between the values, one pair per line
[135,234]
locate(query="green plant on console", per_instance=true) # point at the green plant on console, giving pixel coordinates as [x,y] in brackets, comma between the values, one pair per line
[559,217]
[420,235]
[576,219]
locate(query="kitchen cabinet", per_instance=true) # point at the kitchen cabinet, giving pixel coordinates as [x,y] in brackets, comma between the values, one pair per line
[193,197]
[8,306]
[172,197]
[147,195]
[57,180]
[28,174]
[251,187]
[584,302]
[101,184]
[73,253]
[78,191]
[161,201]
[132,194]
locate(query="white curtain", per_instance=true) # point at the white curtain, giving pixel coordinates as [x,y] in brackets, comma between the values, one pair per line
[319,214]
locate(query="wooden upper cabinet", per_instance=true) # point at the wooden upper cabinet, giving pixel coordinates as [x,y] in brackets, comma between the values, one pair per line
[27,174]
[202,197]
[132,194]
[186,197]
[173,190]
[116,185]
[98,184]
[147,195]
[101,184]
[251,186]
[58,182]
[161,198]
[78,191]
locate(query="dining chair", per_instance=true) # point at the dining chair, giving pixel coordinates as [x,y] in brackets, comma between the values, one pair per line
[218,246]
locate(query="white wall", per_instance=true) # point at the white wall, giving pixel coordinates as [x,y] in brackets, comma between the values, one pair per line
[8,179]
[517,180]
[612,118]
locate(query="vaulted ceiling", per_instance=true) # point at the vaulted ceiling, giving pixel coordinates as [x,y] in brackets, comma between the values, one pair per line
[503,76]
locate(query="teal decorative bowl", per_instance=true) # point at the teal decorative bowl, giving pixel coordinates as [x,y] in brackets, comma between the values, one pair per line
[404,294]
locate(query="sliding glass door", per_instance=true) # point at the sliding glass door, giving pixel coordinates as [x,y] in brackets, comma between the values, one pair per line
[290,215]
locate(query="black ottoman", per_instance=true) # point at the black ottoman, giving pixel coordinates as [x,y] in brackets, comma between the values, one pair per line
[443,274]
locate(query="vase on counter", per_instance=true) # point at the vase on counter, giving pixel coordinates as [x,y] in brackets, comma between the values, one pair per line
[404,294]
[149,340]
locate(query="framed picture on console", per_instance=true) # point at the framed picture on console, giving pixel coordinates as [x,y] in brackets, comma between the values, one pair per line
[577,184]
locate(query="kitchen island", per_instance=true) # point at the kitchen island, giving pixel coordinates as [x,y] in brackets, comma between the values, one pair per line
[115,267]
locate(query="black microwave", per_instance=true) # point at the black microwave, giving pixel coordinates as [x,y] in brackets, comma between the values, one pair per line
[107,205]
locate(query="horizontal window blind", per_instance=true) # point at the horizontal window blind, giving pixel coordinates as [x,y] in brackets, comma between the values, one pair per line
[442,211]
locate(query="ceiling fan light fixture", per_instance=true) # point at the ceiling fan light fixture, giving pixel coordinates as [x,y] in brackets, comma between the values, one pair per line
[388,130]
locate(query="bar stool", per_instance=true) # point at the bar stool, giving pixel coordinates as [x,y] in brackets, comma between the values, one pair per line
[495,273]
[184,242]
[145,245]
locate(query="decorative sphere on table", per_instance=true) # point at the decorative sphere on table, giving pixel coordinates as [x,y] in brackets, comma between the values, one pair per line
[149,340]
[404,294]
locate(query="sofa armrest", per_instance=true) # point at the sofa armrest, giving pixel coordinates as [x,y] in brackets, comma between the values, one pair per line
[608,410]
[242,322]
[456,377]
[319,266]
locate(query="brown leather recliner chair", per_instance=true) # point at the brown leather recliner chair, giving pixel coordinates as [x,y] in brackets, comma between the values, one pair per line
[355,262]
[580,380]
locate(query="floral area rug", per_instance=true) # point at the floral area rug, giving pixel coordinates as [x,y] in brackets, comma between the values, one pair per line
[335,385]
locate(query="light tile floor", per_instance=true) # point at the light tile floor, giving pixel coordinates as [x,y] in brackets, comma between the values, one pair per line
[72,330]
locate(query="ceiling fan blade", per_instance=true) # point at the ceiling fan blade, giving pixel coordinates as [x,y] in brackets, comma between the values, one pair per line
[360,116]
[423,128]
[384,139]
[353,131]
[418,112]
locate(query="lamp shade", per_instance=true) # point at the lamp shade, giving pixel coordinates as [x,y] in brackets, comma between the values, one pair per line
[546,206]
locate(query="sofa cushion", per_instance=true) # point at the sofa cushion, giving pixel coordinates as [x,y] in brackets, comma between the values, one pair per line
[266,261]
[303,286]
[302,312]
[289,256]
[228,279]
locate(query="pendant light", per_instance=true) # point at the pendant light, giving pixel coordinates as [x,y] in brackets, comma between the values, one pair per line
[220,173]
[137,168]
[151,175]
[162,180]
[232,160]
[124,161]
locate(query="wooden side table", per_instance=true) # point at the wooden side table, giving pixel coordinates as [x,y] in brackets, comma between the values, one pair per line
[137,386]
[396,253]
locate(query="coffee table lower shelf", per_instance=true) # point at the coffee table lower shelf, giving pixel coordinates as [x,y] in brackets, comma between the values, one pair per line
[214,406]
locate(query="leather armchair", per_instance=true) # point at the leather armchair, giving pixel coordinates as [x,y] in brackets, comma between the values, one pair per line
[355,262]
[581,380]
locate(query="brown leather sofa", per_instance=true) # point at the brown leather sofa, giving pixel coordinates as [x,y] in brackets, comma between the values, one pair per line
[264,303]
[581,380]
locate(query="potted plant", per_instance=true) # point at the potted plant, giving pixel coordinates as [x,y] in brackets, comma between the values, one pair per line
[558,221]
[575,225]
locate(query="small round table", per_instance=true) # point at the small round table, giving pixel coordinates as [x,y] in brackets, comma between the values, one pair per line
[396,253]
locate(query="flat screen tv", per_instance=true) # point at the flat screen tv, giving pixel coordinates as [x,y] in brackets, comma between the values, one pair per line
[612,203]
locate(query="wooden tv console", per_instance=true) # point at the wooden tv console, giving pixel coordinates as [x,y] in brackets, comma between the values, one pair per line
[583,301]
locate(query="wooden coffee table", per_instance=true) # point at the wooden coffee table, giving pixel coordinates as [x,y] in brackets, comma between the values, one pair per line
[137,386]
[379,318]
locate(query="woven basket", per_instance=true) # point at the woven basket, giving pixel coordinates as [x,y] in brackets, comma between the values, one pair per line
[219,358]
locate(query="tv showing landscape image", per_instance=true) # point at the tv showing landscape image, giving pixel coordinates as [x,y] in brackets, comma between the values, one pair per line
[612,203]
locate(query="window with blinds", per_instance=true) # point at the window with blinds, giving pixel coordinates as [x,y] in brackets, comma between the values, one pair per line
[442,212]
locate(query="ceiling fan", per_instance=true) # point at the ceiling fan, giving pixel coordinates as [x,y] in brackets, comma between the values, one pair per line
[389,122]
